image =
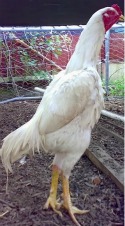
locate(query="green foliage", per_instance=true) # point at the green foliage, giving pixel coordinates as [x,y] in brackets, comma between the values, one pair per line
[53,44]
[42,75]
[1,43]
[25,58]
[117,87]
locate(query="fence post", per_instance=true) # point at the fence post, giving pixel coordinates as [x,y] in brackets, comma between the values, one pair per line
[107,49]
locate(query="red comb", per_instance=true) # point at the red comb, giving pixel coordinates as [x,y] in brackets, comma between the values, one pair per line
[117,8]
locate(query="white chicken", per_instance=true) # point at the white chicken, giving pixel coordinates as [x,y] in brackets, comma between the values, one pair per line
[70,107]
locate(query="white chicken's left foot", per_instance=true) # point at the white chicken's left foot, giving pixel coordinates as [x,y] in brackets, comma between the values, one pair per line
[67,204]
[51,201]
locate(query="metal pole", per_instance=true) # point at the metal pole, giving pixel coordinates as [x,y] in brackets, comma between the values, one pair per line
[52,28]
[107,45]
[43,28]
[20,99]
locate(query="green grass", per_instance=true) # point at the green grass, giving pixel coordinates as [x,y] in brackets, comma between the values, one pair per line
[116,87]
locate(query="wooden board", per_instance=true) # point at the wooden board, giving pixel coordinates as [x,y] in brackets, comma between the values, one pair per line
[111,133]
[107,165]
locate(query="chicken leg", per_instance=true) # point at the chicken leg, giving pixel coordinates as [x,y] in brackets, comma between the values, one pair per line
[67,204]
[51,201]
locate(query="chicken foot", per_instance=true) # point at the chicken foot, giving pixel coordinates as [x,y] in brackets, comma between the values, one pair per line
[51,201]
[67,204]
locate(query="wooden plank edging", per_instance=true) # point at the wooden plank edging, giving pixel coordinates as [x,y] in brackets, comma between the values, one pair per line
[107,165]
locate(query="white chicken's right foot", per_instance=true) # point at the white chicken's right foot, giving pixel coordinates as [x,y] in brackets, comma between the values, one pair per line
[67,204]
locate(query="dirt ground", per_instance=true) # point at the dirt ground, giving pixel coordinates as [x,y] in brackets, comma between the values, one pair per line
[29,184]
[115,105]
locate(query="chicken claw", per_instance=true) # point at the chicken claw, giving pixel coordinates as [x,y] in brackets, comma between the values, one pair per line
[67,204]
[51,201]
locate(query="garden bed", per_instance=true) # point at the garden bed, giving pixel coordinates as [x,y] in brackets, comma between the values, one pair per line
[29,185]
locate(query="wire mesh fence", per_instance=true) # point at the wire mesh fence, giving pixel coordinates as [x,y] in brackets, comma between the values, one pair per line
[113,66]
[30,57]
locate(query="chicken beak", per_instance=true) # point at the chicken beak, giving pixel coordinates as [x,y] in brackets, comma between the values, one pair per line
[121,18]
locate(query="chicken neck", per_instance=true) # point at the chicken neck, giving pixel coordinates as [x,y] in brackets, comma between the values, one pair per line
[88,47]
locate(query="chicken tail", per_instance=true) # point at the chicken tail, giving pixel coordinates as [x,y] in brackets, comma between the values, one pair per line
[24,140]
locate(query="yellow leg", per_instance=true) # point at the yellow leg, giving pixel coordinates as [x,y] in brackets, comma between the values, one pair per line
[51,201]
[67,204]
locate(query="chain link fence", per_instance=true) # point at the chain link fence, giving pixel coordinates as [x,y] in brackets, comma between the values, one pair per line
[30,57]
